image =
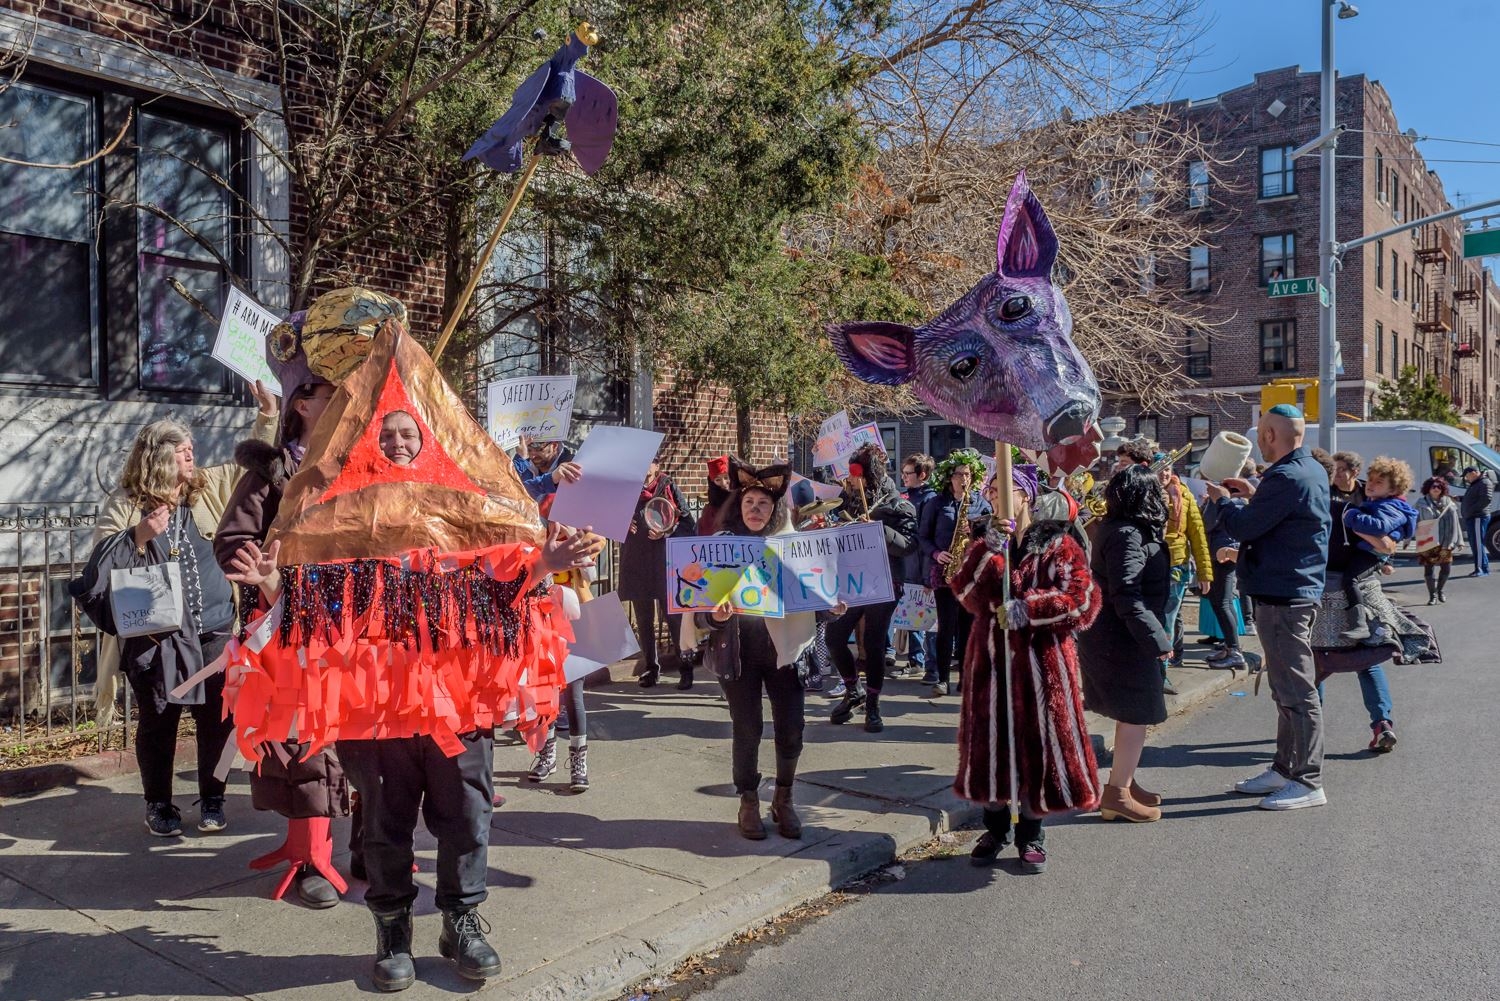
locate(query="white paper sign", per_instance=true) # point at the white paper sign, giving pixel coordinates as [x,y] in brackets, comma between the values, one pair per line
[848,563]
[602,635]
[539,407]
[241,343]
[705,571]
[1198,488]
[833,440]
[614,461]
[917,609]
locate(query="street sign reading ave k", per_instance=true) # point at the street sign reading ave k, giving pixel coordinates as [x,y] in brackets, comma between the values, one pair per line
[1292,286]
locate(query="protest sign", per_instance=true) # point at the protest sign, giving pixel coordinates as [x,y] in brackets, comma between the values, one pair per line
[614,462]
[917,609]
[849,564]
[241,342]
[601,635]
[833,440]
[539,407]
[820,491]
[705,571]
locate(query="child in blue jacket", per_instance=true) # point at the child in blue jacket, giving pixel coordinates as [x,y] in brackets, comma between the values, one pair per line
[1385,512]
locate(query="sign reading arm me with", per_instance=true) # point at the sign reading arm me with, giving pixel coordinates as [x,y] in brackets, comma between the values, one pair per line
[539,407]
[847,563]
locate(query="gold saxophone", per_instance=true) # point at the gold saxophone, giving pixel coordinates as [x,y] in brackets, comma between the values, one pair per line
[960,542]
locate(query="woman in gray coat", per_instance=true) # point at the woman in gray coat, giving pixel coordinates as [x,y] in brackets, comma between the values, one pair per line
[1437,562]
[1121,653]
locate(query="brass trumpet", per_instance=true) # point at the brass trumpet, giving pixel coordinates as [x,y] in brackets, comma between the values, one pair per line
[1094,501]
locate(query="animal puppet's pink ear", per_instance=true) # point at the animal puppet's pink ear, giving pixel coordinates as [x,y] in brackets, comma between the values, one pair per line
[1027,245]
[875,352]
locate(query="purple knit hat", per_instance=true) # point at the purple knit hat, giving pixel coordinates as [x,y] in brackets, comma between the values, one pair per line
[1024,477]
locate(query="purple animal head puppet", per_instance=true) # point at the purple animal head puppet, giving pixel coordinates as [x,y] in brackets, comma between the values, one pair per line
[1000,360]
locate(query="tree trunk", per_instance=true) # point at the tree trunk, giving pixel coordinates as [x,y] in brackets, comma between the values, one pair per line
[744,433]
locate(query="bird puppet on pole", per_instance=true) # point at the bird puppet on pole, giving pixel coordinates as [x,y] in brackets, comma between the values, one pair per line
[556,95]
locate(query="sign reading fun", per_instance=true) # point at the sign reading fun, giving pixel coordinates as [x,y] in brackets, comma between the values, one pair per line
[848,564]
[539,407]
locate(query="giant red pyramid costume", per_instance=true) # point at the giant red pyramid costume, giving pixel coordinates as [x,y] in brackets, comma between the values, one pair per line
[409,601]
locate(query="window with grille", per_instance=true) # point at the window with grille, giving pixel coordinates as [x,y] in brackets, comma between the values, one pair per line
[1278,346]
[1199,354]
[1277,172]
[1278,257]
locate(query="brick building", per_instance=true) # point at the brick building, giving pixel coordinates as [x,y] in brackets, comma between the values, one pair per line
[1409,299]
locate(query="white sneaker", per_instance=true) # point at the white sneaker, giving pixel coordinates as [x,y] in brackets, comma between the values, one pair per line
[1294,796]
[1267,781]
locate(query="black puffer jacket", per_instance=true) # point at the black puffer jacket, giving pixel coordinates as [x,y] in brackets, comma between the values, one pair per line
[896,513]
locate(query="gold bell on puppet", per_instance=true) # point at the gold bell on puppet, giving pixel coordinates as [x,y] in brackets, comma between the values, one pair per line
[340,326]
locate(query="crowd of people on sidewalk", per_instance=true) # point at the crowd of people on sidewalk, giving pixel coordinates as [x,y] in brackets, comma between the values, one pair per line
[1047,604]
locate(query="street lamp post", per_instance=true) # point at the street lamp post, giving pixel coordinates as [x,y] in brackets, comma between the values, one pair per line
[1328,345]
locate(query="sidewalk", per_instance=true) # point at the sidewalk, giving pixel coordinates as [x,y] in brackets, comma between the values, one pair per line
[588,893]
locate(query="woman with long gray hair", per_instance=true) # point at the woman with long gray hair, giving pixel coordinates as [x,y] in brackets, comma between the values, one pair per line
[166,511]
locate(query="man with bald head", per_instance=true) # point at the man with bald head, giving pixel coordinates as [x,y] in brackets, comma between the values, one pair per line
[1283,535]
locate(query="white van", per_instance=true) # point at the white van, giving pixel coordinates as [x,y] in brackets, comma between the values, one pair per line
[1430,449]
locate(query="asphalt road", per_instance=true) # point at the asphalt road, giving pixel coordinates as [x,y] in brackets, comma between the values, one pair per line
[1390,891]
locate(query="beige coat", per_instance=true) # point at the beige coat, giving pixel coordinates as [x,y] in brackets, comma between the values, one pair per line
[119,513]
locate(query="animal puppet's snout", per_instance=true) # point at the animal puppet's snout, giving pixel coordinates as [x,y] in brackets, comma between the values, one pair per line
[1069,422]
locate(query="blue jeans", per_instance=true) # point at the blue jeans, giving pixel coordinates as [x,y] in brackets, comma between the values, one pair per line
[1375,692]
[1478,527]
[1175,592]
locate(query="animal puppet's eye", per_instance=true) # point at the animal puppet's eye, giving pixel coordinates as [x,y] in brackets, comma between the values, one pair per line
[964,366]
[1015,307]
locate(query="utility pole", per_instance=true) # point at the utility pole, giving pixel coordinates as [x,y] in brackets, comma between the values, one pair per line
[1328,410]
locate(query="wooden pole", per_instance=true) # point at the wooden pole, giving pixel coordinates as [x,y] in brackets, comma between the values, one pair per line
[1007,511]
[489,249]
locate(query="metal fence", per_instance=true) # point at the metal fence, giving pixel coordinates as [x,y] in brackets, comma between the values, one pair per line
[48,650]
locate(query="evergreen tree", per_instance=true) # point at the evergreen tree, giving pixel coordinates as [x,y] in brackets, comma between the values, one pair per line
[1410,398]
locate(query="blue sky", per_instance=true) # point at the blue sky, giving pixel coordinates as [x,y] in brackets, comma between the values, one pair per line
[1436,58]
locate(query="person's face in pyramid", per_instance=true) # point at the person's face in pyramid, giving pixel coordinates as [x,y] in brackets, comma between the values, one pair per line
[400,438]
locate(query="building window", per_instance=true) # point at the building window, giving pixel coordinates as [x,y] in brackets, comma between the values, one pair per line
[58,262]
[1197,268]
[1197,184]
[1277,174]
[1380,264]
[1278,257]
[1145,427]
[1379,348]
[1379,176]
[1146,265]
[1199,354]
[1278,346]
[1200,427]
[1395,276]
[944,438]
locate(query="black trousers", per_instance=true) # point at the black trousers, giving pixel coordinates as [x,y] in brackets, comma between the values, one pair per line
[874,625]
[782,686]
[1436,576]
[1222,598]
[645,630]
[396,777]
[156,735]
[1028,830]
[954,622]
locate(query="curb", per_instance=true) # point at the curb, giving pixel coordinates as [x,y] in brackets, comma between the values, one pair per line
[32,779]
[604,969]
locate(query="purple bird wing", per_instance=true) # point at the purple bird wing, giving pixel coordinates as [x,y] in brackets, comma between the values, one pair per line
[592,121]
[502,146]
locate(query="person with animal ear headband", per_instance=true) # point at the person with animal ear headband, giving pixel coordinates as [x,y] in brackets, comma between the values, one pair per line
[756,658]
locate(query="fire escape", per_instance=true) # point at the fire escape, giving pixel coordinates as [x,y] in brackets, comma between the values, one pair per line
[1434,308]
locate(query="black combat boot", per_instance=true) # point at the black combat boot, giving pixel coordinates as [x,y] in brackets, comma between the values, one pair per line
[463,942]
[394,970]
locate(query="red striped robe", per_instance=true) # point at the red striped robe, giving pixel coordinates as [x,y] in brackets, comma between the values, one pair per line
[1056,771]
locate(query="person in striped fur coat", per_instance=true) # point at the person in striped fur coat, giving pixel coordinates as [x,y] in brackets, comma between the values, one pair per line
[1052,597]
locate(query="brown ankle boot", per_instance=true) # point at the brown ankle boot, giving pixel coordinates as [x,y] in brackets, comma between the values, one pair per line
[750,822]
[1143,796]
[788,824]
[1118,804]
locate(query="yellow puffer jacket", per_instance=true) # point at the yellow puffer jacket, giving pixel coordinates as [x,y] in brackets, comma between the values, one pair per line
[119,513]
[1187,529]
